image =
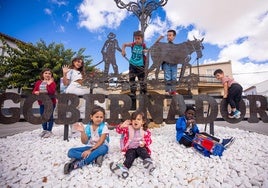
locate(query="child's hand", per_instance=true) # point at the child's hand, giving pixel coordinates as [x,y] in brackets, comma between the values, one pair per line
[79,127]
[65,69]
[125,123]
[142,144]
[86,153]
[123,53]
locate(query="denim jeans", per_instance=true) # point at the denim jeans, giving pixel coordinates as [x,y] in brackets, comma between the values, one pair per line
[77,153]
[47,126]
[170,76]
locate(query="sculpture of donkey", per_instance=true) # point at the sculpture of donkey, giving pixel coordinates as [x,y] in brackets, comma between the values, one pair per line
[174,54]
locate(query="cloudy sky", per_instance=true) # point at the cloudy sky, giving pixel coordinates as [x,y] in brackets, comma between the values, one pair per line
[232,30]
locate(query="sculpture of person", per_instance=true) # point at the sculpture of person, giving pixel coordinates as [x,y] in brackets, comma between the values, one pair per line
[108,53]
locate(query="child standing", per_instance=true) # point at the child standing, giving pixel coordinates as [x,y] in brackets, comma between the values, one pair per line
[136,141]
[95,136]
[170,70]
[232,92]
[186,128]
[46,85]
[136,63]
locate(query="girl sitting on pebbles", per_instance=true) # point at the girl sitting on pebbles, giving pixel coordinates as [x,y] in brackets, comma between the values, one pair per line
[95,135]
[136,141]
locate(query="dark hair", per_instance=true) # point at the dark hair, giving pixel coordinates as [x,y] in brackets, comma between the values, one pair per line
[218,71]
[190,107]
[138,112]
[138,34]
[172,31]
[81,69]
[95,110]
[44,70]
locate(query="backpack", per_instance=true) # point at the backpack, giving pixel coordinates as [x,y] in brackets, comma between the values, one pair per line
[144,47]
[100,128]
[206,146]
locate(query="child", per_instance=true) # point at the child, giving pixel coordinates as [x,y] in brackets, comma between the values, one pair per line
[95,137]
[170,70]
[186,128]
[232,92]
[136,141]
[136,66]
[73,77]
[46,85]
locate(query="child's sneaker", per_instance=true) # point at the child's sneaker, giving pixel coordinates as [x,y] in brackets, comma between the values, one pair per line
[119,169]
[48,134]
[227,142]
[231,115]
[73,164]
[99,160]
[43,133]
[237,114]
[149,165]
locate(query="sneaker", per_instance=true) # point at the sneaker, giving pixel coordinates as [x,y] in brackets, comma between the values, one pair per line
[43,133]
[227,142]
[99,160]
[149,165]
[231,115]
[237,114]
[119,169]
[47,134]
[68,167]
[173,93]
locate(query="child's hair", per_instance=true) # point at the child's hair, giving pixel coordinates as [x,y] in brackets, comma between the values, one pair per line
[172,31]
[44,70]
[138,34]
[218,71]
[81,69]
[135,114]
[190,107]
[96,109]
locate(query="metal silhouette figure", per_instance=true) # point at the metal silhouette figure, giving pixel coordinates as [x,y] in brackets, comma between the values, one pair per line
[174,53]
[108,53]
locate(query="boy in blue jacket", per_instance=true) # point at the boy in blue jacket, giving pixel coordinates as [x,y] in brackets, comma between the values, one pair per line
[186,128]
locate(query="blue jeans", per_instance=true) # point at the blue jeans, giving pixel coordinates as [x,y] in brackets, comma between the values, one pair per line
[170,76]
[77,153]
[47,126]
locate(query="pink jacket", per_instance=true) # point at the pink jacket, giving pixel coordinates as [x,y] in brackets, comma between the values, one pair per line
[125,132]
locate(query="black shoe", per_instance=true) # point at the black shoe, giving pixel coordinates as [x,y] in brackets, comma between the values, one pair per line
[227,142]
[99,160]
[68,167]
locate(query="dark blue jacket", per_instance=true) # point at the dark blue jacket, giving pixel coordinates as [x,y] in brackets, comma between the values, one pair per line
[181,128]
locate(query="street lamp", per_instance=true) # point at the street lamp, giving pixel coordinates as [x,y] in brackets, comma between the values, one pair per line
[142,9]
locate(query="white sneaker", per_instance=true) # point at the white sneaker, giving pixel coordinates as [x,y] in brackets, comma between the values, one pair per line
[42,133]
[48,134]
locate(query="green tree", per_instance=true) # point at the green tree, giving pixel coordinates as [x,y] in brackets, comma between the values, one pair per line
[21,67]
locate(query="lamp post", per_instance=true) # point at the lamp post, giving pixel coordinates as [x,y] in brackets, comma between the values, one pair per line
[142,9]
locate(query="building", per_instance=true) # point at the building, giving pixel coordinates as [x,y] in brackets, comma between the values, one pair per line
[258,89]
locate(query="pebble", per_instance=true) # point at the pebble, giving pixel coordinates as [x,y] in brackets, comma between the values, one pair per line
[26,158]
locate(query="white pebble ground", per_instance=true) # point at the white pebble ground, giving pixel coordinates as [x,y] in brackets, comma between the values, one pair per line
[30,161]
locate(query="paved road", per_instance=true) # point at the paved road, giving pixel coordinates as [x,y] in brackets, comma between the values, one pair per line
[11,129]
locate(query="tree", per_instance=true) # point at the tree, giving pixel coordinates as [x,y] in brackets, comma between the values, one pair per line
[22,65]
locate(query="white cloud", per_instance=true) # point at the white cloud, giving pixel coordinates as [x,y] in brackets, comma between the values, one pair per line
[96,14]
[47,11]
[68,16]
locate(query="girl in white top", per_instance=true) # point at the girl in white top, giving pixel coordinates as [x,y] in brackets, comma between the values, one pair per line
[73,77]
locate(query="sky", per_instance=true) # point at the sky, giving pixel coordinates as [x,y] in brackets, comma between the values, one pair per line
[233,31]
